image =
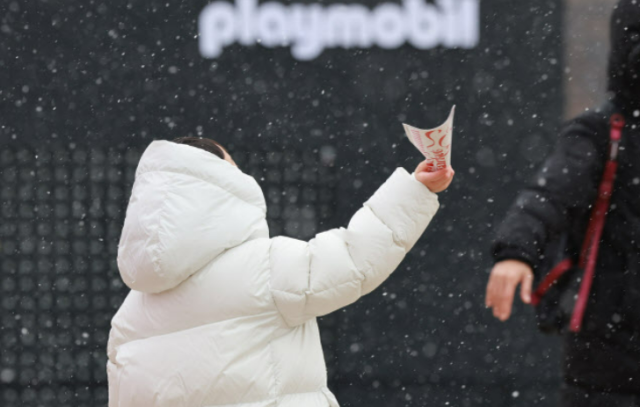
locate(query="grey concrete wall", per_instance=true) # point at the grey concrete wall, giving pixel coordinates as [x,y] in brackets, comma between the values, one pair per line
[586,50]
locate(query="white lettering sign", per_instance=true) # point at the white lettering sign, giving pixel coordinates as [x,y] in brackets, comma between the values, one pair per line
[311,28]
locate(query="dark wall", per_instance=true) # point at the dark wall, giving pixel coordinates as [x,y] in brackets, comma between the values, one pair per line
[86,85]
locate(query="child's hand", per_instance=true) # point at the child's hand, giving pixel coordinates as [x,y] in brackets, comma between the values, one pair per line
[435,181]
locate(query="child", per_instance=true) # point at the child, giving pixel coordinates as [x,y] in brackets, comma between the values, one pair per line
[221,315]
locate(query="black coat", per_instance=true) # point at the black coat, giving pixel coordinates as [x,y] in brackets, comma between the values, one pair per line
[605,355]
[558,202]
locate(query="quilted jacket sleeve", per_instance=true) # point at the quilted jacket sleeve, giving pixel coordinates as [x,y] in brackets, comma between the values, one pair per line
[334,269]
[567,183]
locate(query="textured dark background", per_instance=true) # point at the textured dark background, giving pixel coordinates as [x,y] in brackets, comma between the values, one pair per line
[86,85]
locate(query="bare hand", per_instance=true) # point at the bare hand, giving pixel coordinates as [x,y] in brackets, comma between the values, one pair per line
[505,277]
[435,181]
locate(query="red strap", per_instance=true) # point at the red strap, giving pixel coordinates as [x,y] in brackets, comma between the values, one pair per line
[550,279]
[591,245]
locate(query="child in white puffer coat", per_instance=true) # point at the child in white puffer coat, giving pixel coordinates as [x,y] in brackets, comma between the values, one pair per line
[222,315]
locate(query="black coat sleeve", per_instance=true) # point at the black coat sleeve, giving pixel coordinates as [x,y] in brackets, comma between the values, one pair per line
[566,183]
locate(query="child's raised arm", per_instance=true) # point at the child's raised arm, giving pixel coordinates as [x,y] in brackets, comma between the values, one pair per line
[334,269]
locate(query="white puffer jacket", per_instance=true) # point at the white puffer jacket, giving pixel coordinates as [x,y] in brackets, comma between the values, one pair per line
[221,315]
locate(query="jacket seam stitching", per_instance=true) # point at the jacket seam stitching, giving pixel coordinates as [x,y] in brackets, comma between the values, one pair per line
[161,218]
[324,289]
[396,239]
[190,328]
[276,399]
[275,391]
[203,180]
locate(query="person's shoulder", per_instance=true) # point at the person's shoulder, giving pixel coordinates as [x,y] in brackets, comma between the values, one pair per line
[597,117]
[592,124]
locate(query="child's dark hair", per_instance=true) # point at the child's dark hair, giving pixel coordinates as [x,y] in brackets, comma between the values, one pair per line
[202,143]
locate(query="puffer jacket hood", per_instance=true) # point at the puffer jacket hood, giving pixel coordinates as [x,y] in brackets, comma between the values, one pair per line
[624,59]
[186,204]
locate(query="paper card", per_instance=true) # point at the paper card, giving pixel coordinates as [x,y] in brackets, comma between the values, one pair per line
[434,144]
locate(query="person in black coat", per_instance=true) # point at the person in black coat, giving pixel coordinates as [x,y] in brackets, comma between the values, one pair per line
[602,361]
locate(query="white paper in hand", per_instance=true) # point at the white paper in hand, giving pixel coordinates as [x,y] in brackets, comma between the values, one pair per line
[435,144]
